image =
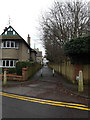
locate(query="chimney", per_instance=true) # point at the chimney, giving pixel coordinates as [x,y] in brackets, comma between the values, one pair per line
[28,40]
[5,28]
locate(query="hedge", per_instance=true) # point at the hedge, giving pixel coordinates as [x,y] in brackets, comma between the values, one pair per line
[78,50]
[20,65]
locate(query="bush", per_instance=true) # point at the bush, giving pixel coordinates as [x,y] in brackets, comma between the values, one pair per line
[78,50]
[20,65]
[12,70]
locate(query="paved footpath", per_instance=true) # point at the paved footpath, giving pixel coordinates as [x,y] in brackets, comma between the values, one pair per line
[47,87]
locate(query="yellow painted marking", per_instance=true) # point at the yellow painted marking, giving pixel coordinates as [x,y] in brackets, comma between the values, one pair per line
[56,103]
[18,96]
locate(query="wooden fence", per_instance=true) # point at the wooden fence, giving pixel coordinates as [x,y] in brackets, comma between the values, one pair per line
[70,71]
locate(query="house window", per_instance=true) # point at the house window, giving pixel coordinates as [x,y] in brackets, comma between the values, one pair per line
[4,63]
[4,44]
[17,45]
[10,32]
[10,44]
[7,63]
[11,63]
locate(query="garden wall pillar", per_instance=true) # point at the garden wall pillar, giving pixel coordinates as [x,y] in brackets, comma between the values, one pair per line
[24,73]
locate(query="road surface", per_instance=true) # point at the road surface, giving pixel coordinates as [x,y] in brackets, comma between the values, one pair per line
[45,97]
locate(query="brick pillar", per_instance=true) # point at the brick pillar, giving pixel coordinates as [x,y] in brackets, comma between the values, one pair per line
[24,73]
[77,68]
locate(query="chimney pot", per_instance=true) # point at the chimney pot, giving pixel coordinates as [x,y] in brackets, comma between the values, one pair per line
[5,28]
[28,39]
[28,35]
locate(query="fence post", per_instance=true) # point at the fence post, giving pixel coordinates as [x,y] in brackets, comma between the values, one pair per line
[80,82]
[5,77]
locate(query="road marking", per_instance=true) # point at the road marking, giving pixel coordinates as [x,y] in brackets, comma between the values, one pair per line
[49,102]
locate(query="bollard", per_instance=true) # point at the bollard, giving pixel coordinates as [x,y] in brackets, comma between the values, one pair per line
[41,72]
[5,77]
[80,82]
[53,72]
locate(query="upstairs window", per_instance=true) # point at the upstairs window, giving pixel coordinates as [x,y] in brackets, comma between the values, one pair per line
[10,44]
[10,32]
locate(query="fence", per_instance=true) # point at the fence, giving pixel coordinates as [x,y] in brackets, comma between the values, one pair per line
[11,77]
[70,71]
[26,74]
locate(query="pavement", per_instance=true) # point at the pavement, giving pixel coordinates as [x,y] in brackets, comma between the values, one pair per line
[47,86]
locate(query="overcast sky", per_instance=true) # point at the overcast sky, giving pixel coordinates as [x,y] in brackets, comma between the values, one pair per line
[25,15]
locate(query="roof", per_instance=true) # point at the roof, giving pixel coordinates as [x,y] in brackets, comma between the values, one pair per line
[10,33]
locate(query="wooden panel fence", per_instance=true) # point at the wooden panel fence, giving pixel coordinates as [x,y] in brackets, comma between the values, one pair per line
[70,71]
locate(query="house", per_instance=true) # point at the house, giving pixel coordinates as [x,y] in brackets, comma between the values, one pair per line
[38,56]
[14,48]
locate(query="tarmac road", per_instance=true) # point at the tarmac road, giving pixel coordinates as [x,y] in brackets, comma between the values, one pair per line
[16,108]
[45,87]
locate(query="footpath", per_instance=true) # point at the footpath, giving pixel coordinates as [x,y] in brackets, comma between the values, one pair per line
[48,87]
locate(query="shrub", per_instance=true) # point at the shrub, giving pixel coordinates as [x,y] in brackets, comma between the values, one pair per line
[78,50]
[12,70]
[20,65]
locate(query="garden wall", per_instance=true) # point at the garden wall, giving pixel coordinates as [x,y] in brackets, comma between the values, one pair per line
[26,73]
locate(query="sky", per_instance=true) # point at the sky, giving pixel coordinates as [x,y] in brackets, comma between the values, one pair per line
[24,17]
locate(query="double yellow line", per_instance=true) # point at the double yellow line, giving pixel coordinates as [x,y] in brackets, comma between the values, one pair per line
[49,102]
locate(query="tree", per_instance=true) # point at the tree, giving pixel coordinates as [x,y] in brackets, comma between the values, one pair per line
[62,22]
